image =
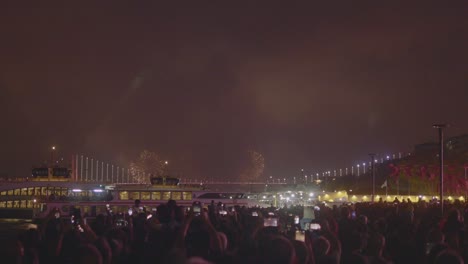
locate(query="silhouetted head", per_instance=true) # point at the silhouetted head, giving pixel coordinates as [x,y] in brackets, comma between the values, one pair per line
[448,256]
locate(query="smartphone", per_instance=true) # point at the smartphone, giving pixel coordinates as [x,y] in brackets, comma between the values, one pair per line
[149,216]
[300,236]
[353,214]
[130,211]
[57,215]
[222,212]
[196,208]
[296,220]
[254,214]
[314,226]
[270,222]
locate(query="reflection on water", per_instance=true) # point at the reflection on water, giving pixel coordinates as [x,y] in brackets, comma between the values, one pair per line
[15,226]
[10,229]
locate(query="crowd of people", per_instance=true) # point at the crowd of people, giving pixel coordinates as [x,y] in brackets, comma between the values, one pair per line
[400,232]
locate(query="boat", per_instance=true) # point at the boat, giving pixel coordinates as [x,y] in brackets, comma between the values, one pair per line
[55,189]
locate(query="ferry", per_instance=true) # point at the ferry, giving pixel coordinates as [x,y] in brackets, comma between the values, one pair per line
[51,189]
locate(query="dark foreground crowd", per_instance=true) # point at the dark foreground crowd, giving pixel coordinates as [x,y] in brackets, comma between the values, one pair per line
[358,233]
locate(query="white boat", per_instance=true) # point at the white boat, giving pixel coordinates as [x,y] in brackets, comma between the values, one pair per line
[51,190]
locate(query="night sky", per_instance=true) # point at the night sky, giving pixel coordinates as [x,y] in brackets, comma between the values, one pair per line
[310,86]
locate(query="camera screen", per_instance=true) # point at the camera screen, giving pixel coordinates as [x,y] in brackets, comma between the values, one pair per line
[270,222]
[315,226]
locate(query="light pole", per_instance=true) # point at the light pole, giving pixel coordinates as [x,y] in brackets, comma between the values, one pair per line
[364,170]
[358,170]
[372,155]
[441,127]
[466,167]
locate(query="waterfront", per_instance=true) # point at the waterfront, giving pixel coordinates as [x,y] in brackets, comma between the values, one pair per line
[9,231]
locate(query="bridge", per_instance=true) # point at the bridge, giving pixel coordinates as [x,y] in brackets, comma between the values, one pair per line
[90,170]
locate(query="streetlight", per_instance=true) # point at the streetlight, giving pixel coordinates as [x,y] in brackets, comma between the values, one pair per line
[372,155]
[52,155]
[358,170]
[364,170]
[441,127]
[466,167]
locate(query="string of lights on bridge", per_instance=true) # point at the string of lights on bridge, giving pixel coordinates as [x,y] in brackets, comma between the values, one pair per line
[358,169]
[90,169]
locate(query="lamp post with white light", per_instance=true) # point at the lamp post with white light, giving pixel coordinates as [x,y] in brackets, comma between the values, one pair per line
[440,128]
[373,175]
[466,167]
